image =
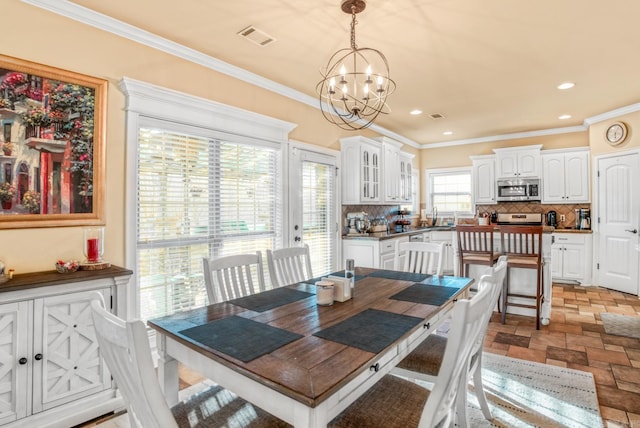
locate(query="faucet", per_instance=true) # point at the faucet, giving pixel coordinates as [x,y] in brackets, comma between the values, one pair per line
[434,216]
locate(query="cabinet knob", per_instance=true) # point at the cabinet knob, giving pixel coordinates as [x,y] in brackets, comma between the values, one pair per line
[38,357]
[22,361]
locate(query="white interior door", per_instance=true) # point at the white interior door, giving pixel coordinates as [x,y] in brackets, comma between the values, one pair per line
[619,220]
[314,207]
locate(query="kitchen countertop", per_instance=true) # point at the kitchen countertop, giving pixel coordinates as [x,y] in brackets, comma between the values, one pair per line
[571,230]
[380,236]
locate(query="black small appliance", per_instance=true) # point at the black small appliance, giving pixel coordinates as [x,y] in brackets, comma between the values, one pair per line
[552,218]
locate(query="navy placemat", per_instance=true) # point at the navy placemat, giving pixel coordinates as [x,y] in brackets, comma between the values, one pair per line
[400,276]
[371,330]
[426,293]
[240,338]
[267,300]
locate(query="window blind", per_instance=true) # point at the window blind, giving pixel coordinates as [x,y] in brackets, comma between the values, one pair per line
[318,214]
[199,196]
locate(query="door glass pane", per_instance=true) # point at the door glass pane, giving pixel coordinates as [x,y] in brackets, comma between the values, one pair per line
[318,214]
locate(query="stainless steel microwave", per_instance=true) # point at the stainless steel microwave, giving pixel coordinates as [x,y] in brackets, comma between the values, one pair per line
[521,189]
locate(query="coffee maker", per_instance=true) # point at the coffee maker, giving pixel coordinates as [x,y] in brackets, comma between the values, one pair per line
[583,218]
[552,218]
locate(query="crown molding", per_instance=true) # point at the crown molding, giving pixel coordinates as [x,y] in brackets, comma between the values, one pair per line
[502,137]
[612,114]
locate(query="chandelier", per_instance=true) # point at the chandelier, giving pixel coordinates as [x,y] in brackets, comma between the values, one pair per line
[355,83]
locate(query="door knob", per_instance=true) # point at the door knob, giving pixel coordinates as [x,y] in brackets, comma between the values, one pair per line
[631,230]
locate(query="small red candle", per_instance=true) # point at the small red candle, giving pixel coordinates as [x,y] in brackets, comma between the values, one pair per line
[93,255]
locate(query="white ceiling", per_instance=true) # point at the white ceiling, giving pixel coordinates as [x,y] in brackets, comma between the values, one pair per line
[491,67]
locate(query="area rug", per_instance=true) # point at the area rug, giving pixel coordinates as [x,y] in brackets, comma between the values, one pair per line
[621,325]
[528,394]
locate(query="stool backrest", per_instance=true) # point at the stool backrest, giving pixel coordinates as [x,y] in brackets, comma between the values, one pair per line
[521,241]
[473,239]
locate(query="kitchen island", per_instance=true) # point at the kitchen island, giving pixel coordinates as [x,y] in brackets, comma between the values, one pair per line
[378,250]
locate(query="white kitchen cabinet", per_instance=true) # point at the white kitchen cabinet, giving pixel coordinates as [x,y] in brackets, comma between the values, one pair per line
[484,179]
[565,176]
[52,372]
[518,162]
[373,253]
[406,178]
[361,170]
[445,236]
[571,257]
[391,171]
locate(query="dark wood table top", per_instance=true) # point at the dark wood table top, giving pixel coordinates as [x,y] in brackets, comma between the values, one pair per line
[309,369]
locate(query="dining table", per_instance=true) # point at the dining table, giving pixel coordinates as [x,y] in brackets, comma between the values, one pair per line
[300,361]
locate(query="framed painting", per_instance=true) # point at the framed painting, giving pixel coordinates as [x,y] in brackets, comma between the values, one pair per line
[53,144]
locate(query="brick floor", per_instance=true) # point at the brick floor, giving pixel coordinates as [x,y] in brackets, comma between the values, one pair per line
[576,339]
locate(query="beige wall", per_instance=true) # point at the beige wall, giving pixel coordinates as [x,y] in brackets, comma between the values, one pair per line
[54,40]
[599,146]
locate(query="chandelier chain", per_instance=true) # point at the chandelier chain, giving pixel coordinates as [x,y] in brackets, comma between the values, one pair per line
[354,21]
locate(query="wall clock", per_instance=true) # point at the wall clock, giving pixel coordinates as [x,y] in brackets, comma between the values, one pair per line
[616,133]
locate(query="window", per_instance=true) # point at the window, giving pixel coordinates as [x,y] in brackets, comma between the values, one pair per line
[198,197]
[449,190]
[203,180]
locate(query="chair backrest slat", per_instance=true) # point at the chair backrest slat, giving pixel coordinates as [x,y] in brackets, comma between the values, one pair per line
[125,349]
[289,265]
[468,324]
[230,277]
[473,239]
[420,257]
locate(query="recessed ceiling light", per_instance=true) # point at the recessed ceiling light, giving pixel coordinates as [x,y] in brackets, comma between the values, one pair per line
[564,116]
[566,85]
[447,133]
[415,112]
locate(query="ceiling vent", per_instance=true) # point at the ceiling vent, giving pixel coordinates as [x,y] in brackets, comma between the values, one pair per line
[436,116]
[256,36]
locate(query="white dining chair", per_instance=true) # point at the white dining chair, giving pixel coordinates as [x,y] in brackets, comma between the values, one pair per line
[420,257]
[397,402]
[289,265]
[425,362]
[124,345]
[230,277]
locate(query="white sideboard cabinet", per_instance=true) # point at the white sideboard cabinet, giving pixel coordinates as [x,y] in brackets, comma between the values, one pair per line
[51,371]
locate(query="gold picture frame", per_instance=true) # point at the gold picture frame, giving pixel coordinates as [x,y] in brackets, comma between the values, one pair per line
[52,145]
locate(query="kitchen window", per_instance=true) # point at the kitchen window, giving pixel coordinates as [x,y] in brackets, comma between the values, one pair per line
[449,190]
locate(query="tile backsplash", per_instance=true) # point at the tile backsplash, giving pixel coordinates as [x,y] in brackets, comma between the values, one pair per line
[390,212]
[535,207]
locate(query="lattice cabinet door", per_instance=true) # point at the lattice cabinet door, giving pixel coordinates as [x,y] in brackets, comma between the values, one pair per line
[15,360]
[70,366]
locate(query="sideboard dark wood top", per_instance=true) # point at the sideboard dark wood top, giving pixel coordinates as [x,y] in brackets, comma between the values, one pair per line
[52,277]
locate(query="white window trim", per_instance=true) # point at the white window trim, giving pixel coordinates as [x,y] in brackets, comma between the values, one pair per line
[144,99]
[427,182]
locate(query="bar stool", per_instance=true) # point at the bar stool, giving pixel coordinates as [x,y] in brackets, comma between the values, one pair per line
[523,246]
[475,247]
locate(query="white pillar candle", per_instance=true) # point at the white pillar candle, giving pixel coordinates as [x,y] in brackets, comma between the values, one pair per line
[324,293]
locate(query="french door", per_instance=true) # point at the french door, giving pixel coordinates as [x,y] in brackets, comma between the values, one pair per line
[313,207]
[618,222]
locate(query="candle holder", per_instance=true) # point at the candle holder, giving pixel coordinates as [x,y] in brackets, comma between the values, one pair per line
[93,248]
